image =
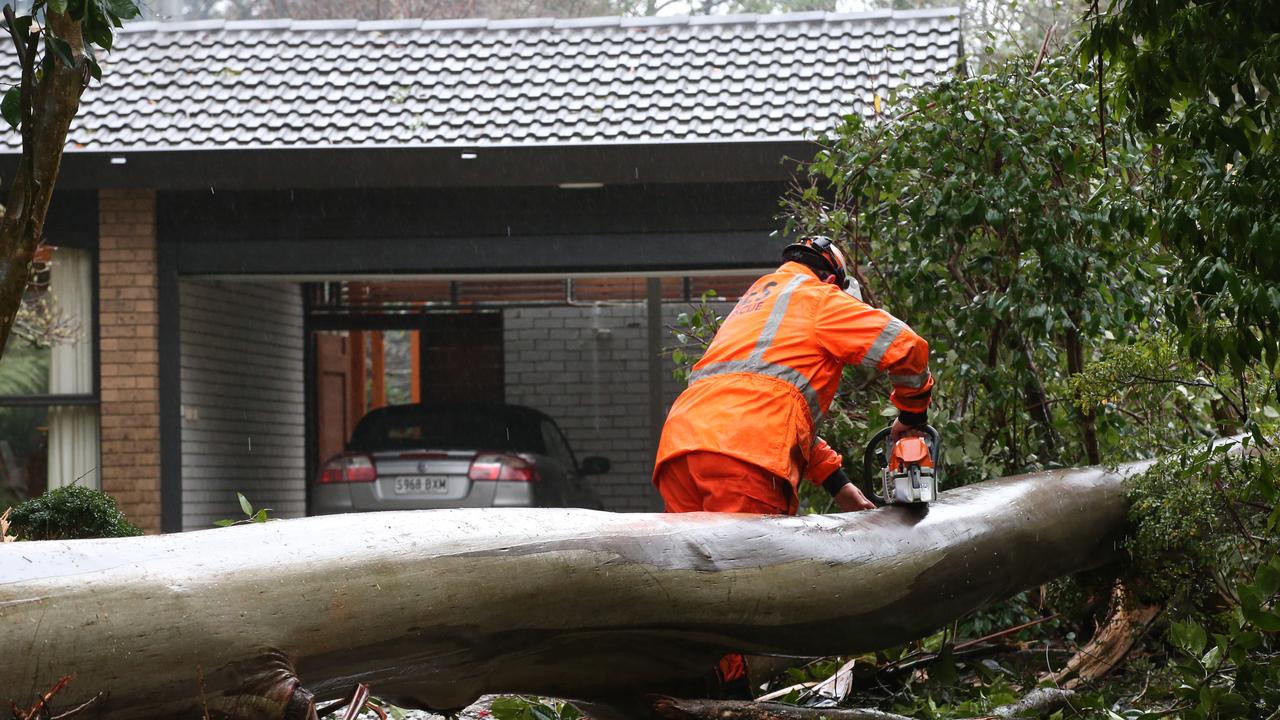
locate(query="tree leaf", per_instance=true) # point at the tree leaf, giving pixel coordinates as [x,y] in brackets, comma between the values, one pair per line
[1211,658]
[23,25]
[60,49]
[1267,581]
[123,9]
[58,6]
[244,505]
[1190,637]
[11,107]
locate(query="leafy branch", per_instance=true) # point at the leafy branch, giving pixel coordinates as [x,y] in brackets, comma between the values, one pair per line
[54,46]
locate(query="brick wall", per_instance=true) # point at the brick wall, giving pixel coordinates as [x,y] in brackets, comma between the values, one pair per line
[129,353]
[588,368]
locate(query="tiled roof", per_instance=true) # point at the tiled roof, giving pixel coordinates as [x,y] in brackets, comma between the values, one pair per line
[479,82]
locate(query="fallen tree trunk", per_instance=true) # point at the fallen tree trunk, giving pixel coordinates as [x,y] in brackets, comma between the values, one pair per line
[434,608]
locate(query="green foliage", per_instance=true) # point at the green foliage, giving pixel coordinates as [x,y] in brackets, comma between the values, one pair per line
[1152,399]
[98,21]
[11,106]
[693,333]
[986,217]
[1205,545]
[68,513]
[1180,522]
[988,690]
[250,514]
[1203,79]
[531,708]
[1227,665]
[1155,361]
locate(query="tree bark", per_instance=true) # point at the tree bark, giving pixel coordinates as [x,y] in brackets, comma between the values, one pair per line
[1085,419]
[1038,703]
[55,100]
[1036,403]
[434,608]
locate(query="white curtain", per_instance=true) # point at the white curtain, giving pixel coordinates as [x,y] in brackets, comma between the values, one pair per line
[73,429]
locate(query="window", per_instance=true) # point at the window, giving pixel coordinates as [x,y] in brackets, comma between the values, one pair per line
[48,398]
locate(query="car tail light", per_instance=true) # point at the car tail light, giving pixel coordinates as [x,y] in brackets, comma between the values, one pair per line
[500,466]
[348,469]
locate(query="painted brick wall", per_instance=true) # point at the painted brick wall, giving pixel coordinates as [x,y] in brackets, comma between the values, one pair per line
[243,384]
[129,353]
[587,367]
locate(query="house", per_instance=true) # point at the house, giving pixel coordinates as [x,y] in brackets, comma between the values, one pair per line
[263,228]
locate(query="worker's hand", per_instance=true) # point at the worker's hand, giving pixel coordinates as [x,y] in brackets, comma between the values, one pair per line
[899,429]
[851,499]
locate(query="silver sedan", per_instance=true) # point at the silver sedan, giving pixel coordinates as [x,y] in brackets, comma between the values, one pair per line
[414,457]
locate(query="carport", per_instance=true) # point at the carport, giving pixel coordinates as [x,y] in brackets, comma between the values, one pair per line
[534,199]
[292,359]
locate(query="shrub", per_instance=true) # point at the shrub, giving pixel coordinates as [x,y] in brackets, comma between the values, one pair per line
[71,512]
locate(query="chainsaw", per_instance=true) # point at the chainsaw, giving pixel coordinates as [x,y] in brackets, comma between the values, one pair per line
[908,469]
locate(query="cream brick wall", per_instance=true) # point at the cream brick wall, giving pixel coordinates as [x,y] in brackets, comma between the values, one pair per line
[588,368]
[129,353]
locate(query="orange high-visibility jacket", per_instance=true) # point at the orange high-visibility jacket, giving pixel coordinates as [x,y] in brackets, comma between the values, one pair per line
[774,366]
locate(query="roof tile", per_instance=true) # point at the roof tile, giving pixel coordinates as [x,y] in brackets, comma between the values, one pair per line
[280,83]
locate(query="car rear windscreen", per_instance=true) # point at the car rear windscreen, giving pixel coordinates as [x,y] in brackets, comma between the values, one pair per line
[447,429]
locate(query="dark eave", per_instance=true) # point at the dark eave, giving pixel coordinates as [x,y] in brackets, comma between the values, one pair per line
[265,168]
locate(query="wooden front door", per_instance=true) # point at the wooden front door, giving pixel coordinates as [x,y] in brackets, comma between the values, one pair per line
[333,381]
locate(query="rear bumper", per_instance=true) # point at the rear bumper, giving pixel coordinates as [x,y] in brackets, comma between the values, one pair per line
[335,498]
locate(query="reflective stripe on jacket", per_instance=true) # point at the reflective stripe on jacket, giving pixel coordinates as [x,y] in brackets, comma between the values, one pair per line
[774,366]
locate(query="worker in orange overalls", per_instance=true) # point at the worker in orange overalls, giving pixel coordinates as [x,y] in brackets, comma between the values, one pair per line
[743,434]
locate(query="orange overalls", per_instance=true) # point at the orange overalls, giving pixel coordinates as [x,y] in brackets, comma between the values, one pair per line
[741,436]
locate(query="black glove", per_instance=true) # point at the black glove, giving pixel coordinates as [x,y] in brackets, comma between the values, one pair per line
[913,419]
[835,481]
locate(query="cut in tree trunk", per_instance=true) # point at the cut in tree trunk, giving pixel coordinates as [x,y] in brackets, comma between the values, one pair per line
[434,608]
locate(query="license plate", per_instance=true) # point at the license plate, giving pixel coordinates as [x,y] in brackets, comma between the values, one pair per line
[423,485]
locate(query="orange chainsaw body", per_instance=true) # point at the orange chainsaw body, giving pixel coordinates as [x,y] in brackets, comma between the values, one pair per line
[908,467]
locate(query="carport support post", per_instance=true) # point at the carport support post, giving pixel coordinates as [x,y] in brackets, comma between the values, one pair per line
[653,292]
